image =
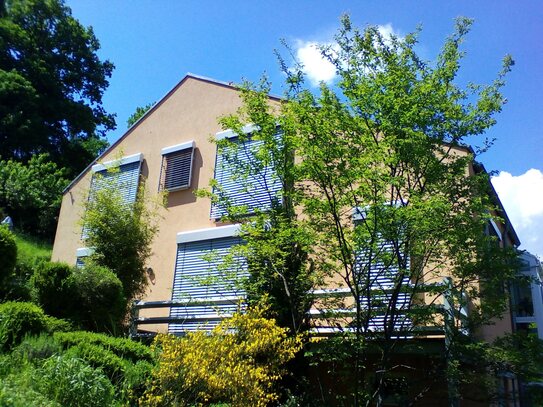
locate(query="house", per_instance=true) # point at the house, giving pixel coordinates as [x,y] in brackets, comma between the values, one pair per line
[527,299]
[170,147]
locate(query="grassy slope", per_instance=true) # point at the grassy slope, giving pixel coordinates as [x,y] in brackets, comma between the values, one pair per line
[30,249]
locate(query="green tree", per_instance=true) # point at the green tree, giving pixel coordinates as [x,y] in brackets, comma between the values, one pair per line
[275,243]
[140,111]
[51,85]
[120,233]
[8,253]
[383,197]
[31,193]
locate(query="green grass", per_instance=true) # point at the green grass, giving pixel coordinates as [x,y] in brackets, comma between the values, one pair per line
[31,249]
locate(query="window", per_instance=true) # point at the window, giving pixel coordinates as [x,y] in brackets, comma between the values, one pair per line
[125,178]
[81,256]
[203,283]
[380,262]
[242,178]
[176,169]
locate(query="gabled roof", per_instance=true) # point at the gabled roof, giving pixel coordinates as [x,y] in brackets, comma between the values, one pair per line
[479,167]
[229,85]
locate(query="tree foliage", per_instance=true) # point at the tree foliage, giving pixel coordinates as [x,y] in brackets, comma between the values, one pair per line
[31,193]
[121,233]
[275,246]
[383,197]
[8,253]
[51,85]
[140,111]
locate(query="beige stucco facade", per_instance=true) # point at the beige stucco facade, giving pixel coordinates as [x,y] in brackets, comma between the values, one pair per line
[189,112]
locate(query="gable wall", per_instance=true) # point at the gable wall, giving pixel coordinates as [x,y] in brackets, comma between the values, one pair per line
[189,113]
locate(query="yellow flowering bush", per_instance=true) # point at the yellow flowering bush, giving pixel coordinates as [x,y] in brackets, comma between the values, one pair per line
[238,363]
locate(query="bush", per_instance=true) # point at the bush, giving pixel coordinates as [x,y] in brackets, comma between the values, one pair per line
[92,297]
[49,288]
[57,325]
[136,378]
[18,391]
[8,253]
[121,234]
[124,348]
[125,362]
[100,358]
[98,302]
[72,382]
[34,348]
[18,319]
[239,363]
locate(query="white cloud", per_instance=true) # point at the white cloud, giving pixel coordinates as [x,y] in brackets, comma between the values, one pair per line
[319,69]
[522,197]
[316,67]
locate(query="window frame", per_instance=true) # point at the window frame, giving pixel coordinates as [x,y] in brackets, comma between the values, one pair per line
[169,151]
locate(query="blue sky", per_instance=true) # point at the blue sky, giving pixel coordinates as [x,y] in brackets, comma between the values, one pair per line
[155,43]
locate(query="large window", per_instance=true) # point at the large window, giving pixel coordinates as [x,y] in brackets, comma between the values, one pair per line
[242,177]
[207,278]
[176,169]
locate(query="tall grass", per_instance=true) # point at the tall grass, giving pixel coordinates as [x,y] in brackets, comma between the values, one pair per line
[31,249]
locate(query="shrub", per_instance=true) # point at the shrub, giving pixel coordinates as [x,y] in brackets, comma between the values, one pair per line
[238,363]
[121,234]
[8,253]
[126,363]
[100,358]
[72,382]
[18,391]
[39,347]
[49,288]
[57,325]
[125,348]
[136,378]
[18,319]
[98,302]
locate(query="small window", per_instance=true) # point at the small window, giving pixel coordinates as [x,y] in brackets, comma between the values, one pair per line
[177,166]
[82,255]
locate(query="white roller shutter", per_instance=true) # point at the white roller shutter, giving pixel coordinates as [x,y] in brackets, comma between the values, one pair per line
[198,279]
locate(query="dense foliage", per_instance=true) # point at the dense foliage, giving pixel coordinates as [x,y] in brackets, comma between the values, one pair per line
[49,288]
[91,297]
[18,319]
[97,299]
[8,253]
[51,85]
[238,363]
[140,111]
[121,234]
[31,193]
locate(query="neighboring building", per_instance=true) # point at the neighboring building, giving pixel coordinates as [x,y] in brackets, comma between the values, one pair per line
[527,299]
[170,147]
